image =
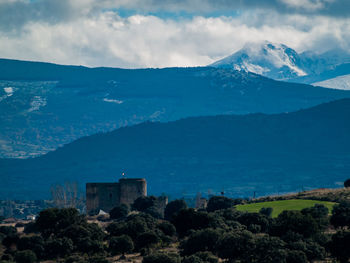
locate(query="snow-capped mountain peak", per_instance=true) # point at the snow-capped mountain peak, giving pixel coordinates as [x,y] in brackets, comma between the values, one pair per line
[269,59]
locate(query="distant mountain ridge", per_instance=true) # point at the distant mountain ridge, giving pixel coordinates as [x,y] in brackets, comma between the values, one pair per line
[241,154]
[280,62]
[44,106]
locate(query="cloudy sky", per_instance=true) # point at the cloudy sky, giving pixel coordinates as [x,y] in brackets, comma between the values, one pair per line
[162,33]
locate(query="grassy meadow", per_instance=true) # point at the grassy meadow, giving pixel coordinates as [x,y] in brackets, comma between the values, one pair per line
[279,206]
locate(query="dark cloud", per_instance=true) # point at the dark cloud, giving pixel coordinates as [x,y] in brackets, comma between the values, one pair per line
[15,14]
[315,7]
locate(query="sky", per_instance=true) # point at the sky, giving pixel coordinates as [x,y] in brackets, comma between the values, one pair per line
[165,33]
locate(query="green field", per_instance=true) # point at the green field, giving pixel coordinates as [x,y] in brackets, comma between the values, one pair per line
[279,206]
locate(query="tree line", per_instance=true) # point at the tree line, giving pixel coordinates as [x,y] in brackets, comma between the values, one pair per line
[200,236]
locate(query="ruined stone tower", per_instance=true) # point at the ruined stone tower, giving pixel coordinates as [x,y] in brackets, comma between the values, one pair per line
[106,196]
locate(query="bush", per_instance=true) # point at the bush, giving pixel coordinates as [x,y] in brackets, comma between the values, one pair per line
[161,258]
[25,256]
[121,245]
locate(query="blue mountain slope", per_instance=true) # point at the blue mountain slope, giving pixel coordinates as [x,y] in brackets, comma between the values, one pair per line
[240,154]
[44,106]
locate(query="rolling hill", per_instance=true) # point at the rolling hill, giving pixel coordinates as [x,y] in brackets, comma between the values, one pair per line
[239,154]
[44,106]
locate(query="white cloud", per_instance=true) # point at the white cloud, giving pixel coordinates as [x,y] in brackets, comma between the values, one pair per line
[106,39]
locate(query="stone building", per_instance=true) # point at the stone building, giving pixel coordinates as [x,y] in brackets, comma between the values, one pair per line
[106,196]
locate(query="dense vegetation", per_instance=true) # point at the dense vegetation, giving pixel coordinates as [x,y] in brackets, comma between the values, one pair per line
[242,154]
[195,236]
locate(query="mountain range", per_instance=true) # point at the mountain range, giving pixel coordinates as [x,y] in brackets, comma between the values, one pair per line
[280,62]
[44,106]
[237,154]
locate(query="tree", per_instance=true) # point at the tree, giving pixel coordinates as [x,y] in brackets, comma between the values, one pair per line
[25,256]
[201,257]
[8,230]
[119,211]
[267,211]
[236,245]
[173,208]
[296,256]
[161,258]
[53,220]
[252,220]
[320,213]
[294,221]
[219,202]
[33,243]
[143,203]
[147,240]
[67,195]
[202,240]
[339,246]
[188,219]
[167,228]
[58,247]
[121,245]
[347,183]
[268,249]
[341,215]
[10,240]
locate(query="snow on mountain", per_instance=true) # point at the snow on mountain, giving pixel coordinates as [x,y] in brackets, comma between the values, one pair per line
[268,59]
[277,61]
[341,82]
